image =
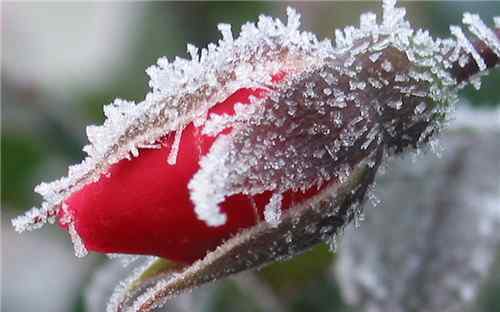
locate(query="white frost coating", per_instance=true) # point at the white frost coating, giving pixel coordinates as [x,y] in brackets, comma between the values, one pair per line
[226,170]
[172,156]
[217,123]
[78,246]
[272,211]
[387,66]
[208,186]
[420,108]
[464,43]
[332,243]
[31,217]
[374,56]
[483,32]
[227,35]
[392,16]
[80,250]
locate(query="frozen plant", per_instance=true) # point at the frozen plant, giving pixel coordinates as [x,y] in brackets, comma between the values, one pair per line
[259,147]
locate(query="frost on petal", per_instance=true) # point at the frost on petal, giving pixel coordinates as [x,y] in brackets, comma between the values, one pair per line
[431,243]
[207,186]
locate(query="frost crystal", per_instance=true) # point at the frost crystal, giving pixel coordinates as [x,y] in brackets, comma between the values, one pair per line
[478,28]
[375,56]
[80,250]
[332,243]
[79,247]
[387,66]
[464,43]
[272,211]
[420,108]
[175,147]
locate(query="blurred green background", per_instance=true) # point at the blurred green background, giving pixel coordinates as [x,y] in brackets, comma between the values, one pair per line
[61,62]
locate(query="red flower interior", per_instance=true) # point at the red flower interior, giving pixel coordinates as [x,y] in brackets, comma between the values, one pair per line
[144,206]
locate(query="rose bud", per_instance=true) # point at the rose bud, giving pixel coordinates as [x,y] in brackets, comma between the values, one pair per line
[273,126]
[144,206]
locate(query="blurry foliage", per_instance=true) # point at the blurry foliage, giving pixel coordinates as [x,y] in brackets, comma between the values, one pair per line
[320,296]
[165,29]
[489,95]
[289,276]
[21,156]
[230,297]
[488,298]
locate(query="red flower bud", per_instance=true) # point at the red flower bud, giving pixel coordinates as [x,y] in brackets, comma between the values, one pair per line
[144,206]
[267,142]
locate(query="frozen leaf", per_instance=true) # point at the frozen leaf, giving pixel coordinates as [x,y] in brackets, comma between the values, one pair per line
[430,244]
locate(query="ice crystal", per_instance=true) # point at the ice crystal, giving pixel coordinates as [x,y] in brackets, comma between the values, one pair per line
[483,32]
[332,243]
[80,250]
[420,108]
[463,42]
[79,247]
[387,66]
[272,211]
[175,147]
[375,56]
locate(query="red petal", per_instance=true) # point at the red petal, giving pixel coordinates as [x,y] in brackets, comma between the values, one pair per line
[144,206]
